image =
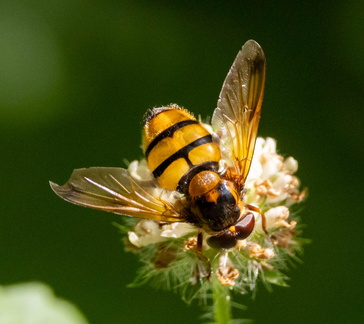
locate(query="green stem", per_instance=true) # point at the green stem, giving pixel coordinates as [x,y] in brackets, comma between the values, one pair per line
[221,298]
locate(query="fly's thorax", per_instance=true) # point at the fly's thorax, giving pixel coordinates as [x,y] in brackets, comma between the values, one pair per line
[177,147]
[215,203]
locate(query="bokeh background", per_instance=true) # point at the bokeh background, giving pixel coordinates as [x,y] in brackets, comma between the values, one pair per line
[75,80]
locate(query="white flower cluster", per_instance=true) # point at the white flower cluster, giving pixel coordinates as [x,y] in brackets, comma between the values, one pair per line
[270,184]
[148,232]
[272,176]
[271,187]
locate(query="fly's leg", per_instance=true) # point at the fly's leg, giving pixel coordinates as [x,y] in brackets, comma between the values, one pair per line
[264,220]
[199,242]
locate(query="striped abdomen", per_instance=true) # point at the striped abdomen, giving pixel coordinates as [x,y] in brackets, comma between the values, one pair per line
[177,147]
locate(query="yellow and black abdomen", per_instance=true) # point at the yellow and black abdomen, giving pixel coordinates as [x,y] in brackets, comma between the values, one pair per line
[177,147]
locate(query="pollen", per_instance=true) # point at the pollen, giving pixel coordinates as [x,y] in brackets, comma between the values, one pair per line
[278,217]
[240,245]
[284,238]
[298,196]
[227,275]
[256,251]
[265,188]
[191,243]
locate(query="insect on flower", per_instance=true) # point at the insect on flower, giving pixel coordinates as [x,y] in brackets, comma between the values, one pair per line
[198,174]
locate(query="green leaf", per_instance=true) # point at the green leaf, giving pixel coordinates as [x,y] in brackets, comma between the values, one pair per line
[275,277]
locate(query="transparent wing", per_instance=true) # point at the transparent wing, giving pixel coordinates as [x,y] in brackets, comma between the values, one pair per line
[114,190]
[237,115]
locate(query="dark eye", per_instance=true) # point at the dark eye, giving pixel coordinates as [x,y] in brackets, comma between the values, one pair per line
[244,227]
[226,240]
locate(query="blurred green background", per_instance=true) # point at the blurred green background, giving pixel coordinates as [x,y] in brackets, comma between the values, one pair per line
[75,80]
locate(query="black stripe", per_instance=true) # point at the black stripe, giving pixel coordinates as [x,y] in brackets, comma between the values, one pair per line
[168,133]
[182,153]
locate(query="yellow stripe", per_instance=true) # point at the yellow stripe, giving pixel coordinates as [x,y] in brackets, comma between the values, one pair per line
[204,153]
[162,121]
[170,145]
[172,175]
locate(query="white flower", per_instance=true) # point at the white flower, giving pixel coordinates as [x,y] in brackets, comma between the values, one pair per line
[277,217]
[176,230]
[270,177]
[256,251]
[291,165]
[139,170]
[149,232]
[146,232]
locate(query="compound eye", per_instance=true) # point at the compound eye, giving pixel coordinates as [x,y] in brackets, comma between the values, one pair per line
[224,241]
[244,227]
[228,239]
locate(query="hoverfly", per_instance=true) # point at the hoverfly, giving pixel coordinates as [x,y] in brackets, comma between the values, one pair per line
[207,169]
